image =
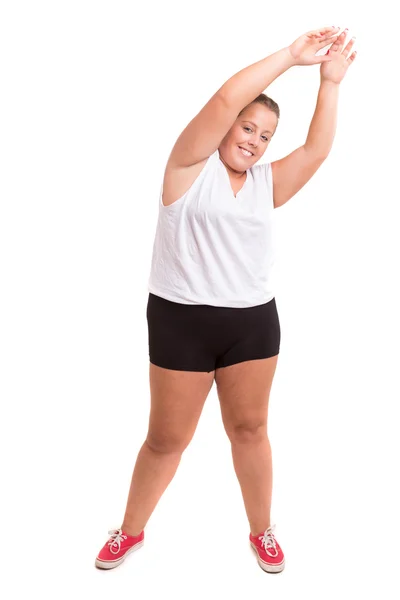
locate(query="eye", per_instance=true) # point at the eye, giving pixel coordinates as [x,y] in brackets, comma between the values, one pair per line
[249,128]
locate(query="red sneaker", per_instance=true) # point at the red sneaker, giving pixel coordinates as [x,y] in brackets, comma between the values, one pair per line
[117,548]
[269,553]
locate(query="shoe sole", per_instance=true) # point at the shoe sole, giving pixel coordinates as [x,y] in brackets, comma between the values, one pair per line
[267,567]
[110,564]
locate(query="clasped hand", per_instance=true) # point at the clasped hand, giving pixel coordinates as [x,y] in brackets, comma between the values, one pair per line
[335,62]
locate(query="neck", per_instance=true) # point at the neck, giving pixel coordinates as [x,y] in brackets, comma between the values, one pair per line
[231,172]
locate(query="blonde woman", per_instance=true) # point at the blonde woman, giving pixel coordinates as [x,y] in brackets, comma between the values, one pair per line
[211,312]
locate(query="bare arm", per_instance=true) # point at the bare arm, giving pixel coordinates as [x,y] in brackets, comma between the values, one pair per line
[292,172]
[204,134]
[247,84]
[323,125]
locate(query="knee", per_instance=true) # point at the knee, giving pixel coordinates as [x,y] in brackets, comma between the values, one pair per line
[165,443]
[247,432]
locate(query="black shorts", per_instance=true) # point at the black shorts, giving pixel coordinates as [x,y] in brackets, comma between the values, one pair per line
[200,337]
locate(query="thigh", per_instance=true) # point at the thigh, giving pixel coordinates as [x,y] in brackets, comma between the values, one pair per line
[177,400]
[243,391]
[255,333]
[179,335]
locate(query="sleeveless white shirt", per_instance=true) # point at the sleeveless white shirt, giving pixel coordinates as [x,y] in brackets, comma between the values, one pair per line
[212,248]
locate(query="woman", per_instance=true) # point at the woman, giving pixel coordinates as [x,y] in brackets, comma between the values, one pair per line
[211,310]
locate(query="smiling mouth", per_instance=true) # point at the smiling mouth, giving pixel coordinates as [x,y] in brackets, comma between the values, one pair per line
[247,155]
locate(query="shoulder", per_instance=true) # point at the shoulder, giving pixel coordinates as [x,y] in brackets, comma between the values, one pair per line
[179,181]
[263,170]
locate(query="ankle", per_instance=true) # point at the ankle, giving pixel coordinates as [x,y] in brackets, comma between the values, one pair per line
[254,531]
[130,530]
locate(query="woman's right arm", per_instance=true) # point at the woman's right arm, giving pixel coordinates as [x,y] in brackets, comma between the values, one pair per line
[205,132]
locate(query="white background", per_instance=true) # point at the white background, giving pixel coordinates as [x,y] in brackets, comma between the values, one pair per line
[93,97]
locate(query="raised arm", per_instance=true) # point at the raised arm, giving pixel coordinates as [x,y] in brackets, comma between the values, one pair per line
[204,134]
[206,131]
[292,172]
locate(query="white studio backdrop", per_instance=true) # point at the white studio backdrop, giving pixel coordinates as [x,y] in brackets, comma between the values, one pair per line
[93,97]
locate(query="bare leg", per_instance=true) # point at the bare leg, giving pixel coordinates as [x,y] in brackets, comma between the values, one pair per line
[177,400]
[253,466]
[243,390]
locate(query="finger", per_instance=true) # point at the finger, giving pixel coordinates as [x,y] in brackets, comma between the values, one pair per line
[321,42]
[321,59]
[329,40]
[341,40]
[338,43]
[329,32]
[352,57]
[324,31]
[313,35]
[349,47]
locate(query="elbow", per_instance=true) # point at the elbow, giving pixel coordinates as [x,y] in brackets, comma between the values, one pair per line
[318,154]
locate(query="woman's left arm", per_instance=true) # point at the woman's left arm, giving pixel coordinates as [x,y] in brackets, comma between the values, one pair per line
[323,124]
[292,172]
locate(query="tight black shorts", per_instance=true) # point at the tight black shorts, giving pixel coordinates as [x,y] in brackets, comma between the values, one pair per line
[200,337]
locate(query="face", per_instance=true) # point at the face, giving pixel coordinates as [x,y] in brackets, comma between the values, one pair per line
[253,131]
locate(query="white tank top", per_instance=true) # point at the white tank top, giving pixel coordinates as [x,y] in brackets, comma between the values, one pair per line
[212,248]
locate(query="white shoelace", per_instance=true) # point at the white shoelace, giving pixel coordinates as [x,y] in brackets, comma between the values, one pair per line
[268,540]
[116,538]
